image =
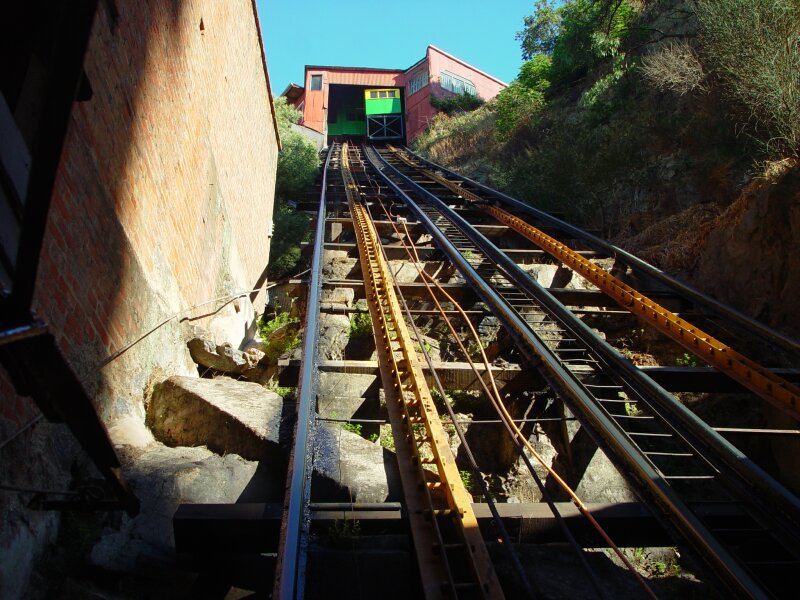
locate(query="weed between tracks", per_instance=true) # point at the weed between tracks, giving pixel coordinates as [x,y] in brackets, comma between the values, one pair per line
[360,325]
[280,334]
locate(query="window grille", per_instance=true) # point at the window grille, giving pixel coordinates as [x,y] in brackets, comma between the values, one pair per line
[417,82]
[456,83]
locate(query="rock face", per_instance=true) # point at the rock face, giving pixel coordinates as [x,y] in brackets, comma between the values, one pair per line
[225,415]
[334,333]
[750,259]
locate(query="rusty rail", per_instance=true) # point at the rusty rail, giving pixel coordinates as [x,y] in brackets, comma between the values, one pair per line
[430,501]
[770,387]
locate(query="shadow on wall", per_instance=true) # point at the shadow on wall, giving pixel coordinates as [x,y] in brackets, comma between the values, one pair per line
[145,221]
[139,228]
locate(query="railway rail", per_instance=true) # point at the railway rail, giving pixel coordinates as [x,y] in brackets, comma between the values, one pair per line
[678,464]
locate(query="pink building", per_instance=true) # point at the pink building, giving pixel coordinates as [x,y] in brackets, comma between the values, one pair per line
[332,99]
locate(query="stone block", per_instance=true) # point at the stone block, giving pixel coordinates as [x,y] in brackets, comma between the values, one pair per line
[227,416]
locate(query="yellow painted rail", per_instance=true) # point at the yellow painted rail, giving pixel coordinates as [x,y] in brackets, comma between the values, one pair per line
[750,374]
[772,388]
[416,425]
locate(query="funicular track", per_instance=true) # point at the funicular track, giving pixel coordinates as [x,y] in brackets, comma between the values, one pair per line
[443,526]
[675,461]
[711,497]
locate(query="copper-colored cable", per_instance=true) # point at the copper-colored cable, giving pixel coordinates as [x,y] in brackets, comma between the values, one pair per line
[496,399]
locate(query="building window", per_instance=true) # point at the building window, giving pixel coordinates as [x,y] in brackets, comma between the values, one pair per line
[373,94]
[456,83]
[316,82]
[417,82]
[391,94]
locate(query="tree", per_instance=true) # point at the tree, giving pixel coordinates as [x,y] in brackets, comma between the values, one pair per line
[535,74]
[298,164]
[298,161]
[576,33]
[541,30]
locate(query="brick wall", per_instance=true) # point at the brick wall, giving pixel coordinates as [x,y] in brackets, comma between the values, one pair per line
[163,200]
[165,191]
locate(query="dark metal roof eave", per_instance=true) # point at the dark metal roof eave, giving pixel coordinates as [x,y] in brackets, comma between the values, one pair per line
[266,75]
[358,69]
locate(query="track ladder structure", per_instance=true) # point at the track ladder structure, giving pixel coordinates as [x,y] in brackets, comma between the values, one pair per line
[453,559]
[685,472]
[777,391]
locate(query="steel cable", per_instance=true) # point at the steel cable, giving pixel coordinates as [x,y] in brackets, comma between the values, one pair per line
[518,436]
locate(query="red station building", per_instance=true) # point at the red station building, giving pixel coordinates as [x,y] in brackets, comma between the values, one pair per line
[335,100]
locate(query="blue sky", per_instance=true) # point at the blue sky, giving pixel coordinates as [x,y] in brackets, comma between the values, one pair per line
[390,35]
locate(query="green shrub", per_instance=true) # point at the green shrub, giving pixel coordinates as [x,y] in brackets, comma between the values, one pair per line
[535,74]
[753,46]
[687,360]
[266,327]
[516,106]
[298,165]
[353,427]
[283,390]
[276,344]
[443,125]
[284,264]
[463,102]
[468,479]
[291,227]
[298,161]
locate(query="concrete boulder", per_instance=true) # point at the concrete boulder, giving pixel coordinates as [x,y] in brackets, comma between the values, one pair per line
[227,416]
[223,357]
[351,469]
[163,478]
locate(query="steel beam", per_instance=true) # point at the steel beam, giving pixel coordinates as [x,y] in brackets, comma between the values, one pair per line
[254,527]
[290,571]
[461,292]
[396,251]
[454,375]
